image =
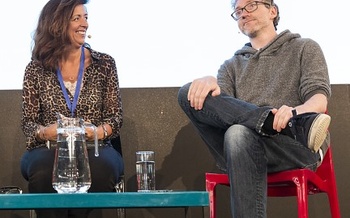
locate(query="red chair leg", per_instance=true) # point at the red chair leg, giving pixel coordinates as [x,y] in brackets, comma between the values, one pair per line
[211,189]
[334,203]
[302,196]
[212,180]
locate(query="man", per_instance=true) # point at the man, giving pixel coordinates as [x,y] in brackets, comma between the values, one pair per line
[265,110]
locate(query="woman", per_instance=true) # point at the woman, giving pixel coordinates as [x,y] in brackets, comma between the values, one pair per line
[67,77]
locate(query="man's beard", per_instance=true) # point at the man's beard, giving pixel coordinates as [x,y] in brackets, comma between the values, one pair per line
[251,34]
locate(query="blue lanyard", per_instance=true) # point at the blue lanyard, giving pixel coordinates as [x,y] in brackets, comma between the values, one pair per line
[72,105]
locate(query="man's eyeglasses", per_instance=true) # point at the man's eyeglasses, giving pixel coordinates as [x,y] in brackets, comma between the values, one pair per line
[250,7]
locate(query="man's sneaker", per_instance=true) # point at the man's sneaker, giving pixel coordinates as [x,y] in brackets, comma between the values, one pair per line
[310,129]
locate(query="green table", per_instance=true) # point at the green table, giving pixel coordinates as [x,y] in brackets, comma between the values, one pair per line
[170,199]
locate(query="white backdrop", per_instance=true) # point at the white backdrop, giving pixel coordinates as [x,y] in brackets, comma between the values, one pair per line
[162,43]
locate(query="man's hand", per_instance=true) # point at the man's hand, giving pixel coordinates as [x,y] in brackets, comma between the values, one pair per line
[199,90]
[317,103]
[282,117]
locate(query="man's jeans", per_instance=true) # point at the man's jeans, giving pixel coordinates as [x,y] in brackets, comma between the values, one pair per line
[232,130]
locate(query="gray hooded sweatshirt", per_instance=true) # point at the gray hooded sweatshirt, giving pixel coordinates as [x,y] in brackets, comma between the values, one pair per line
[287,71]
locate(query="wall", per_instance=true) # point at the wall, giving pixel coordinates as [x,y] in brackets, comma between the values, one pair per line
[153,120]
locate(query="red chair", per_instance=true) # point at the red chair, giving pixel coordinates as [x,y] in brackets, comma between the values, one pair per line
[298,182]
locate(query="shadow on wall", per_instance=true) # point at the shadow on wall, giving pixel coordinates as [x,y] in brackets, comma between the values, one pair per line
[189,168]
[188,154]
[181,168]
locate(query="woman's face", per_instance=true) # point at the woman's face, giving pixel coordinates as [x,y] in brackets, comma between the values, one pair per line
[78,26]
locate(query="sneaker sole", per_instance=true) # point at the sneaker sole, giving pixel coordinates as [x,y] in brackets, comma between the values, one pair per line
[318,131]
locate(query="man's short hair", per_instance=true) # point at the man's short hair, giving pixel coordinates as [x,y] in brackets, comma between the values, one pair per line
[277,18]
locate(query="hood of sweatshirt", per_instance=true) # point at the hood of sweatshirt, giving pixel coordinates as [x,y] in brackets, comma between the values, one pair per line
[248,51]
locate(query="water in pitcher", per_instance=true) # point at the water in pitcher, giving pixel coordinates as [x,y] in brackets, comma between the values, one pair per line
[71,173]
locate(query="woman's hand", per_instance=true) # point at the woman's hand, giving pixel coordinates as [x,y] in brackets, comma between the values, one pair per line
[90,130]
[49,133]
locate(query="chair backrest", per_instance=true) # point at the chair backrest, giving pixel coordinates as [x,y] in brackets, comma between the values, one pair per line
[117,145]
[120,186]
[326,170]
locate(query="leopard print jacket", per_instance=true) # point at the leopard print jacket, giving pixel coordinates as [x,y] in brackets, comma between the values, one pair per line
[99,100]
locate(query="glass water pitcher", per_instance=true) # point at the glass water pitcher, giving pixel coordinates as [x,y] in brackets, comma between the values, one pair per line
[71,171]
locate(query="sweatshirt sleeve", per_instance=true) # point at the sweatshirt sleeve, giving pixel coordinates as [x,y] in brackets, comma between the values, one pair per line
[225,78]
[314,76]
